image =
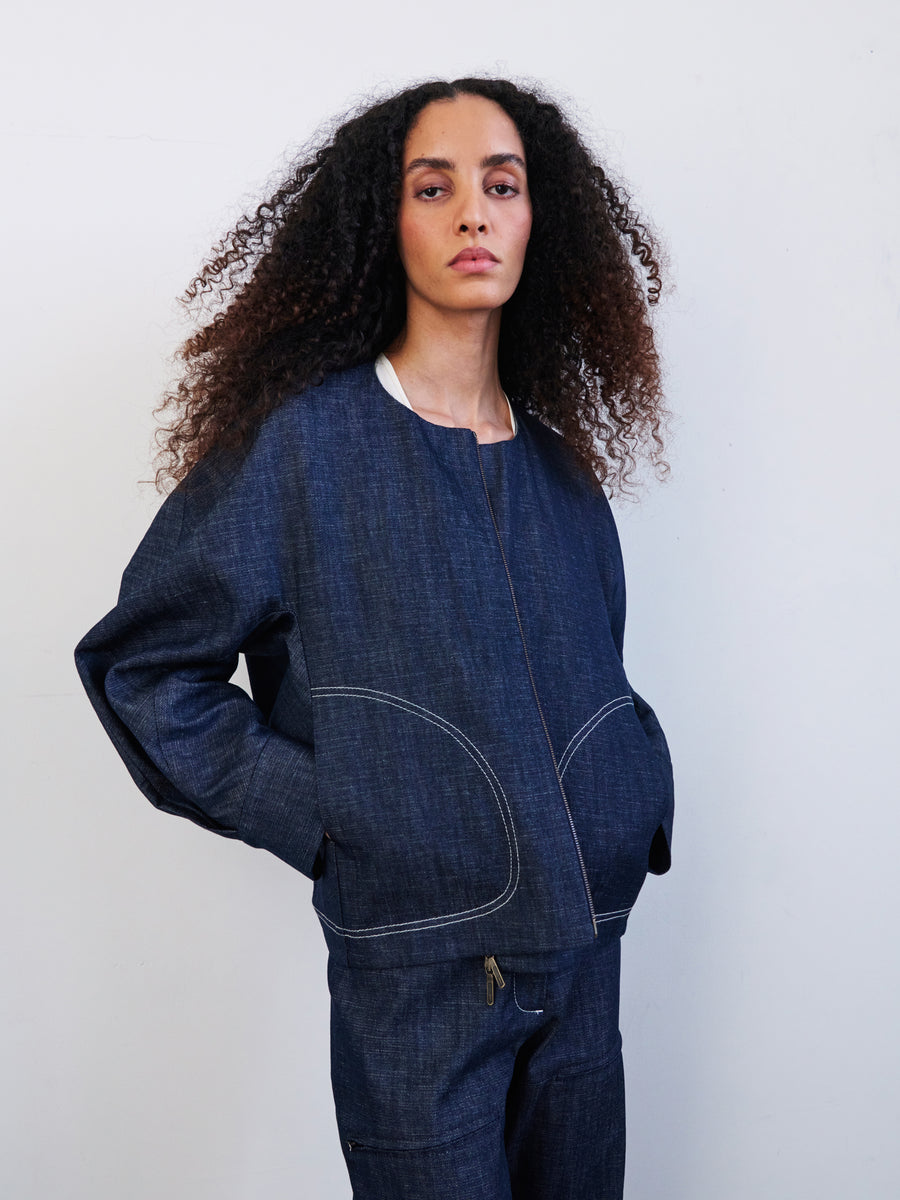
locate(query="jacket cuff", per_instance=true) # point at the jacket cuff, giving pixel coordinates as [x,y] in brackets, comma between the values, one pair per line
[280,813]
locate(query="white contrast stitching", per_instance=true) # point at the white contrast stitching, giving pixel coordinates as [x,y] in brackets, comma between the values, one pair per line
[518,1005]
[589,726]
[506,816]
[612,916]
[615,700]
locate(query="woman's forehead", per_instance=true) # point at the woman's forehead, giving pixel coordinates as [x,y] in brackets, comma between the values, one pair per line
[463,126]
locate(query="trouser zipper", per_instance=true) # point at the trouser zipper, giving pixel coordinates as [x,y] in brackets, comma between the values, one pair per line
[492,971]
[537,699]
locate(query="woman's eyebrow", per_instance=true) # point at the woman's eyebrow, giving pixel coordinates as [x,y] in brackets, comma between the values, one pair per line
[501,160]
[446,164]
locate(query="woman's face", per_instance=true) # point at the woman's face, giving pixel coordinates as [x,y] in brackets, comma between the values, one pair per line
[465,212]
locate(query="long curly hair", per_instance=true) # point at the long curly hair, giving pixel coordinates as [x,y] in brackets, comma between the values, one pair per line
[311,282]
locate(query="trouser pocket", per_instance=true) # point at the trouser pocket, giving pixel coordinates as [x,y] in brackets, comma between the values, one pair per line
[468,1167]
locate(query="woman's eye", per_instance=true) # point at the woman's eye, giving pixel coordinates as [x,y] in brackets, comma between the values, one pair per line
[502,189]
[432,191]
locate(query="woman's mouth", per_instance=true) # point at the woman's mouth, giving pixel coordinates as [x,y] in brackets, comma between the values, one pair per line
[473,260]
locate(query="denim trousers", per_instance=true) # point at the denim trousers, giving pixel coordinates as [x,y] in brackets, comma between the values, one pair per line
[440,1093]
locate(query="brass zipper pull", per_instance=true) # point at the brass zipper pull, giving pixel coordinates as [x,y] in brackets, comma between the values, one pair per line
[492,971]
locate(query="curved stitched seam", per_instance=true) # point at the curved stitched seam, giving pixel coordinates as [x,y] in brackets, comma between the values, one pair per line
[446,726]
[589,726]
[614,700]
[415,926]
[568,756]
[518,1005]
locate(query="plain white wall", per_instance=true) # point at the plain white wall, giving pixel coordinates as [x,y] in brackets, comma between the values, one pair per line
[163,1030]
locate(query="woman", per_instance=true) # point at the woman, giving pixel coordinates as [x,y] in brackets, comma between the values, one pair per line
[431,349]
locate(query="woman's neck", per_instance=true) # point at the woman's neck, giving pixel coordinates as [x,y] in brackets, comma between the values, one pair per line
[448,370]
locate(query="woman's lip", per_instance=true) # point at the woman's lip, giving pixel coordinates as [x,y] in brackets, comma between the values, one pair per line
[473,266]
[473,255]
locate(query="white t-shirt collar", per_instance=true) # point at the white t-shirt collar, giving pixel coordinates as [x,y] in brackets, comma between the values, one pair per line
[387,377]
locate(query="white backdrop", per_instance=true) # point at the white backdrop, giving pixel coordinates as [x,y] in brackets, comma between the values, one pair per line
[163,1030]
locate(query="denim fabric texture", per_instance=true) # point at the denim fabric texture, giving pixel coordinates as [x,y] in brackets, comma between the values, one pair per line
[442,1097]
[433,632]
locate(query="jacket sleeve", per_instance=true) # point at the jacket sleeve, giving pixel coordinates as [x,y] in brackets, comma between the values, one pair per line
[660,855]
[202,587]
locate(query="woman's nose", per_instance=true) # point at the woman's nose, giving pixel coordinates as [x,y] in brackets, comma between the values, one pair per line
[472,212]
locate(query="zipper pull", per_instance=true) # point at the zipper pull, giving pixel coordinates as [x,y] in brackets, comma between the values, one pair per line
[492,971]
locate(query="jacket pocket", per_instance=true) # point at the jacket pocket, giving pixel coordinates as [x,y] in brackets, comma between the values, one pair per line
[619,789]
[422,830]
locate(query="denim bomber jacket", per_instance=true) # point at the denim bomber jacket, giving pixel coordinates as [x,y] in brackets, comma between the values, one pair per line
[433,635]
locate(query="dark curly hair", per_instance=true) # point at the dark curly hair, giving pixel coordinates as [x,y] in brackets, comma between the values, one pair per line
[311,282]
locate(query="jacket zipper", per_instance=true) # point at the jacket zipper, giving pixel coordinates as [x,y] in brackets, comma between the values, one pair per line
[492,971]
[537,699]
